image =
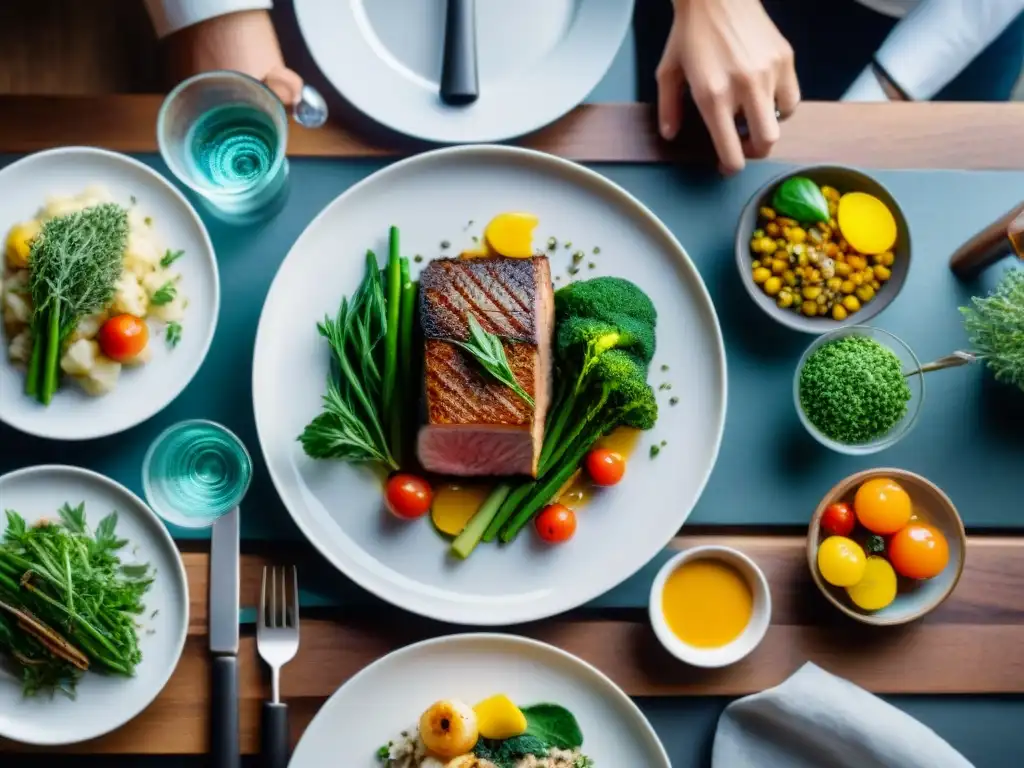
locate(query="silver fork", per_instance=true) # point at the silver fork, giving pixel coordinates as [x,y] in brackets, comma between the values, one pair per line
[277,639]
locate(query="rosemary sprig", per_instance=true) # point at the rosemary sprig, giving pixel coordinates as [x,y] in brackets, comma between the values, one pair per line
[488,351]
[995,325]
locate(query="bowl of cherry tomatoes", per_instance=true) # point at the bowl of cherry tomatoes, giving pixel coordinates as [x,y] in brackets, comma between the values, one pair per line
[886,546]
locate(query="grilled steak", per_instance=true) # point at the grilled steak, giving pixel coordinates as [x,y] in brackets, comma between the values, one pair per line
[475,425]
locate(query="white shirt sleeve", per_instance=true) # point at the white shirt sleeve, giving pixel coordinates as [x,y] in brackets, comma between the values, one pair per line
[171,15]
[934,43]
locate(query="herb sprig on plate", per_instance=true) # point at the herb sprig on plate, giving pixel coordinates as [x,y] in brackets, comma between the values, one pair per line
[67,602]
[487,349]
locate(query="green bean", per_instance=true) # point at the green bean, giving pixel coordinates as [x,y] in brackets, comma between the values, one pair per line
[405,412]
[393,288]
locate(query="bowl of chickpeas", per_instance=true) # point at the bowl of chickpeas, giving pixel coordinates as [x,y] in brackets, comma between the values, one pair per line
[823,247]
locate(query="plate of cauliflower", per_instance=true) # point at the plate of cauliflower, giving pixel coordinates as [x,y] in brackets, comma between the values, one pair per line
[134,350]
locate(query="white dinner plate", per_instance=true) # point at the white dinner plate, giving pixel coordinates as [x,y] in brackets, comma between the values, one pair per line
[103,702]
[140,392]
[537,60]
[434,197]
[390,694]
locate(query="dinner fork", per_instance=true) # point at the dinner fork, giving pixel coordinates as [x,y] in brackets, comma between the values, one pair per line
[277,639]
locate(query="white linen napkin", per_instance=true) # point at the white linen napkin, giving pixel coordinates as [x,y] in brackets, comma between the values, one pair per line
[817,720]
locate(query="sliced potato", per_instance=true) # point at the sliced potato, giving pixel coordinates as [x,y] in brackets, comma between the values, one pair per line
[20,349]
[80,357]
[102,378]
[89,326]
[17,308]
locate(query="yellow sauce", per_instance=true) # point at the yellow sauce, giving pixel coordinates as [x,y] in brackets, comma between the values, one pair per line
[455,503]
[707,603]
[580,490]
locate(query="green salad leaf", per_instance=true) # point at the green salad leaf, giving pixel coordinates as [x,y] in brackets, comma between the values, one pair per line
[508,752]
[554,725]
[800,198]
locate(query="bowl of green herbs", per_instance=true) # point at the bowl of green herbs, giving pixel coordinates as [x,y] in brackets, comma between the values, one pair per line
[858,390]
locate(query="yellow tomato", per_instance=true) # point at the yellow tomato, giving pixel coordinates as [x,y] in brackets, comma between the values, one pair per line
[882,506]
[841,561]
[877,588]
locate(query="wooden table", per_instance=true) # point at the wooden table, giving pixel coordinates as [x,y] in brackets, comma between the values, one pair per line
[973,644]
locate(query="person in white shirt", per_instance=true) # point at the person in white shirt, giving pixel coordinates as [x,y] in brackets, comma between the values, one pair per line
[203,35]
[758,58]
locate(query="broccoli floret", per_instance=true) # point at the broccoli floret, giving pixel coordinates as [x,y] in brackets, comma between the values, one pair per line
[604,298]
[580,340]
[614,393]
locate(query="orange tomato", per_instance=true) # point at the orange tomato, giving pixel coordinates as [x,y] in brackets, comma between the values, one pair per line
[605,467]
[919,551]
[408,496]
[123,337]
[882,506]
[556,523]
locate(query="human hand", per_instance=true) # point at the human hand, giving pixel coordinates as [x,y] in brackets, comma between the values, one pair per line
[244,42]
[735,61]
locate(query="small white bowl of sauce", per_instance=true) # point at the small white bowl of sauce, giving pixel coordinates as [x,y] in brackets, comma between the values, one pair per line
[710,606]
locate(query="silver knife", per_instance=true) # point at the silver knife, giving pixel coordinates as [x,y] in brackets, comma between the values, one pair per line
[223,631]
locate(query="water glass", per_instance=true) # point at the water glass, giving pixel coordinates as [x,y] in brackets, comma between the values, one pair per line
[224,134]
[195,472]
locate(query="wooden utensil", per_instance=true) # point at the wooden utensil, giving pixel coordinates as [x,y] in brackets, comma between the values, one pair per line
[996,241]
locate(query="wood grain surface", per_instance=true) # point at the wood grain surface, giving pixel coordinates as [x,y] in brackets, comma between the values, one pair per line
[973,643]
[918,135]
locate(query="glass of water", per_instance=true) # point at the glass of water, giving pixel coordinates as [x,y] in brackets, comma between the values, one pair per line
[224,135]
[194,472]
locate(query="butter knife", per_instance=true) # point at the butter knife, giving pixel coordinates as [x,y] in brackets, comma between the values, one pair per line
[224,600]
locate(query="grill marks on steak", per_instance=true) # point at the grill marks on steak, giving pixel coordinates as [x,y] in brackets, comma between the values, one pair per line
[500,292]
[460,392]
[475,424]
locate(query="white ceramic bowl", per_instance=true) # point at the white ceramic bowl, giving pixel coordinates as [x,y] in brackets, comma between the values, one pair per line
[751,635]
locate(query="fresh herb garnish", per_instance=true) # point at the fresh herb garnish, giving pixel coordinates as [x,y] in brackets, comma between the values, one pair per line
[384,752]
[875,545]
[445,245]
[67,602]
[673,401]
[148,221]
[655,450]
[350,426]
[995,325]
[173,334]
[73,265]
[165,294]
[596,250]
[552,243]
[577,257]
[664,385]
[170,257]
[489,352]
[508,752]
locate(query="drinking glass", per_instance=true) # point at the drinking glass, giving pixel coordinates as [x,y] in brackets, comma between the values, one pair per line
[224,134]
[194,472]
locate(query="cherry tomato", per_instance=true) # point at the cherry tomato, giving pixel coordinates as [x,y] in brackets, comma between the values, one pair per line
[123,337]
[918,551]
[556,523]
[408,496]
[605,467]
[838,519]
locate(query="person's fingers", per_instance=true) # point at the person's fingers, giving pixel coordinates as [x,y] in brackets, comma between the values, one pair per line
[787,87]
[285,83]
[718,109]
[670,98]
[759,111]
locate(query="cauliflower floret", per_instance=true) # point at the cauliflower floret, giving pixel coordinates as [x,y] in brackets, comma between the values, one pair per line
[102,378]
[17,308]
[129,296]
[140,359]
[89,326]
[80,357]
[20,349]
[141,256]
